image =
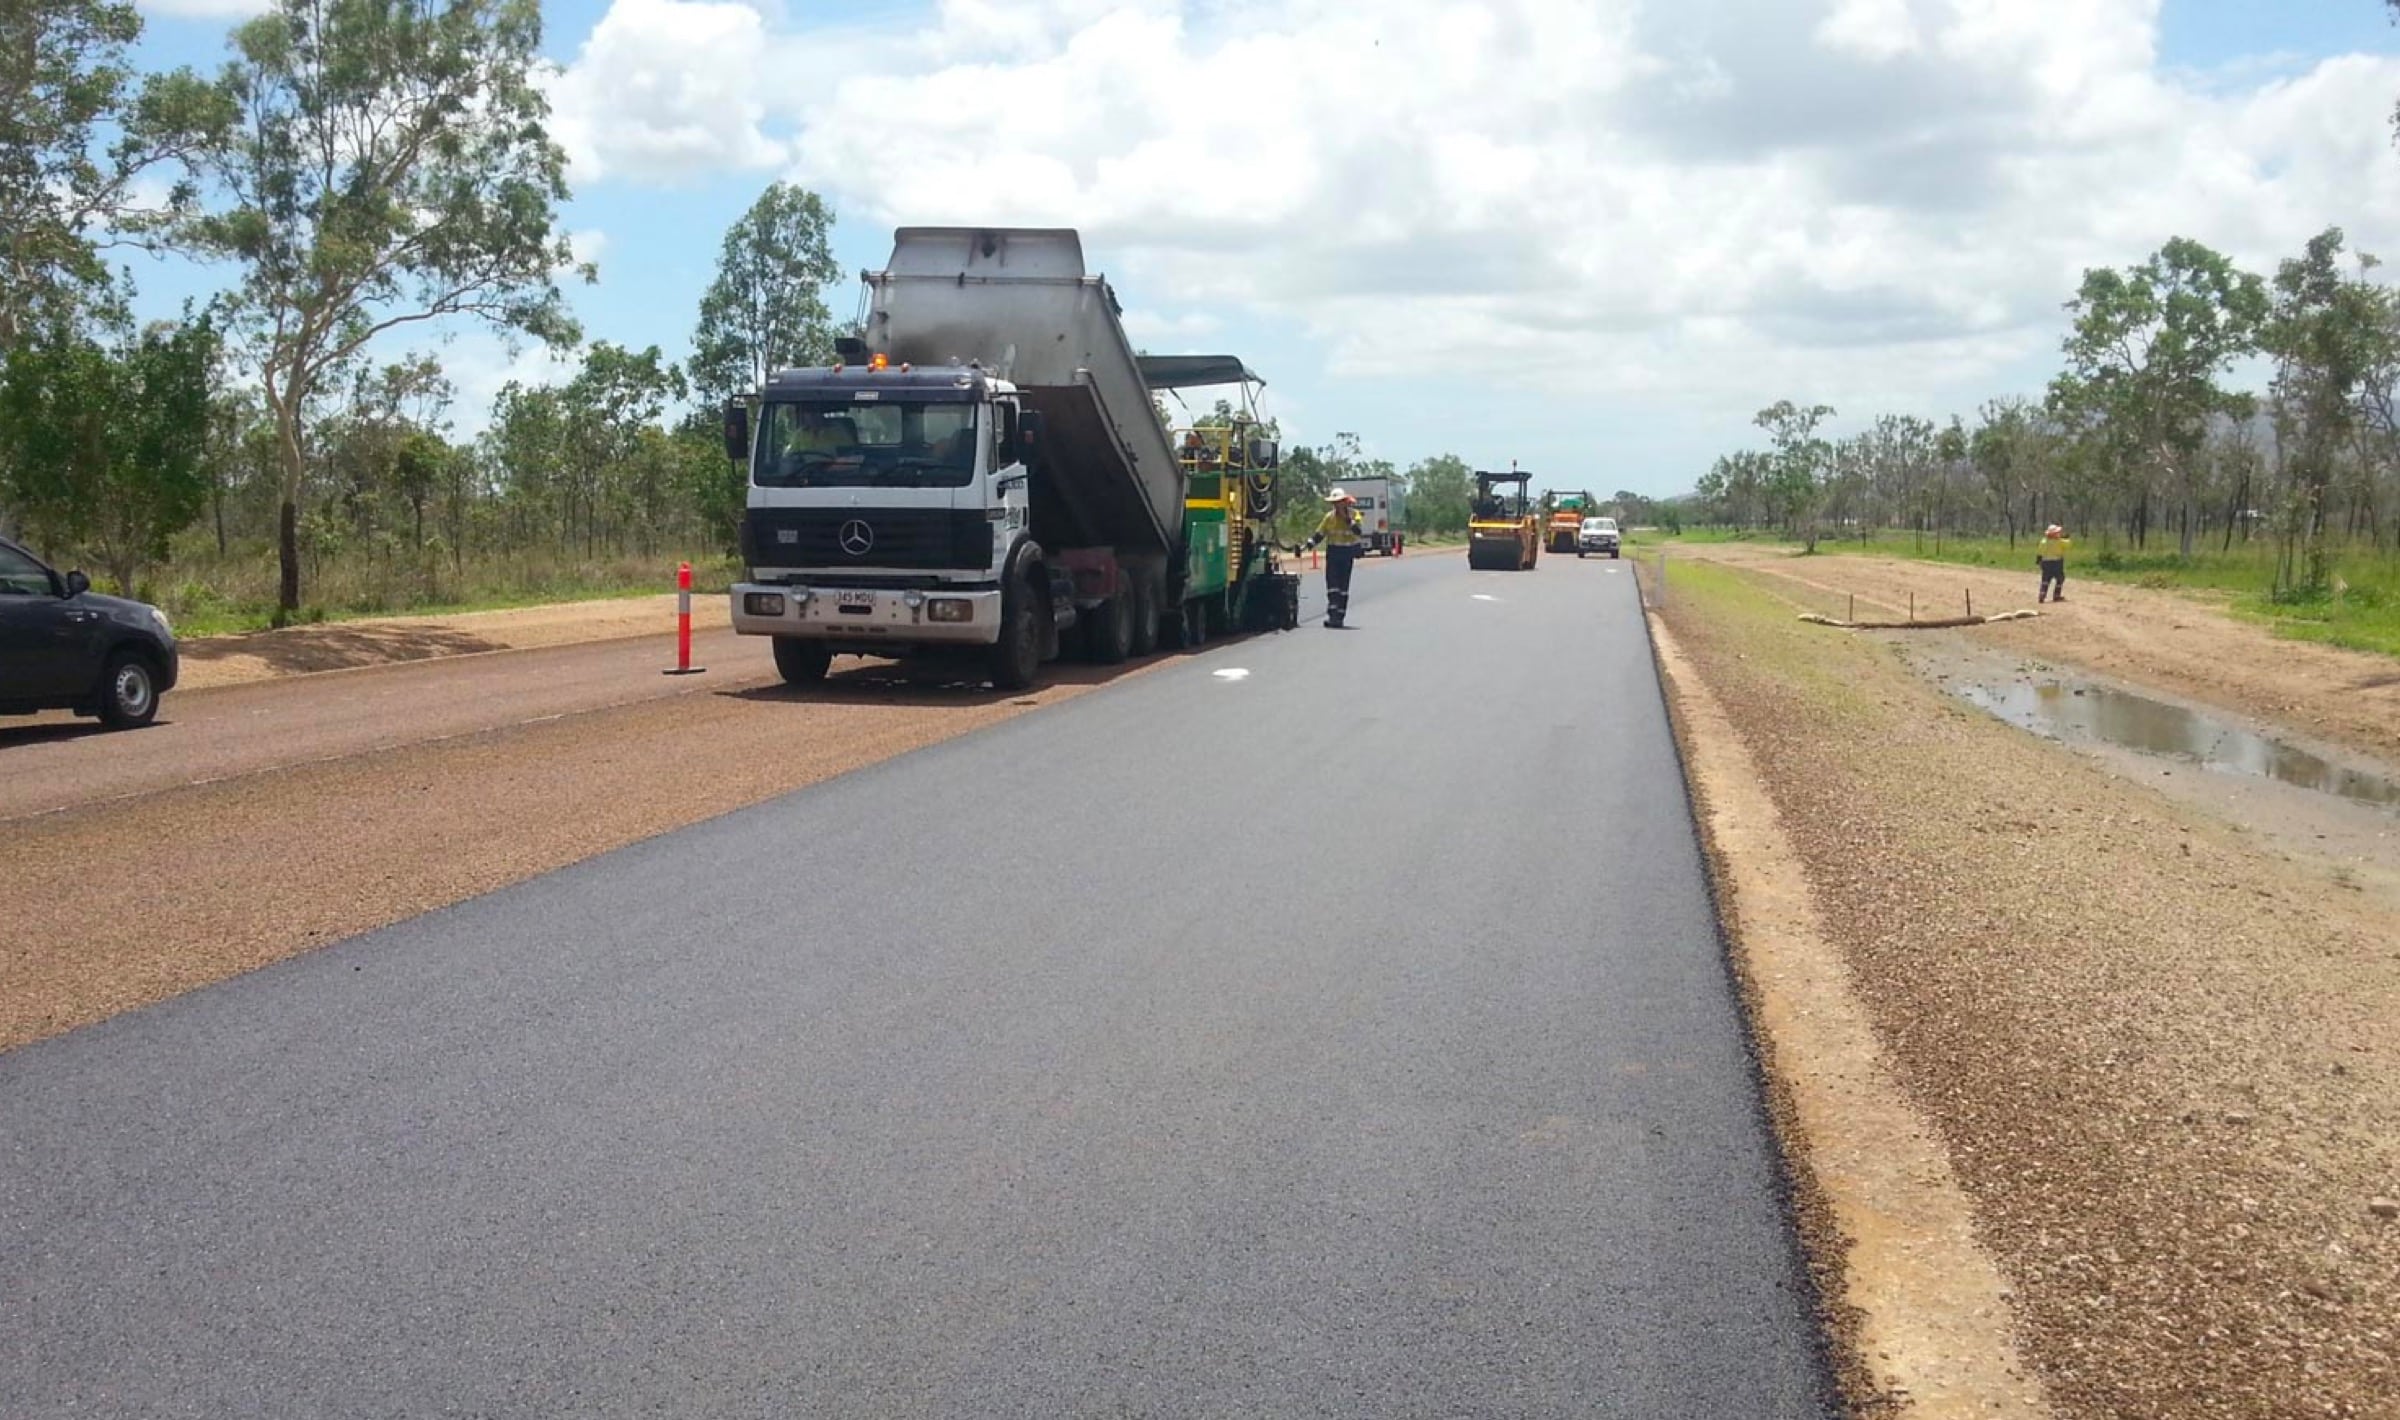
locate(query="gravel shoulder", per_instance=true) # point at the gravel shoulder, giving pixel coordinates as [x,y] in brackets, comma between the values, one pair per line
[2157,1052]
[210,661]
[2180,642]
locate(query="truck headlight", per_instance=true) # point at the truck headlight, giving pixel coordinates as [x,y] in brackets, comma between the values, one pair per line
[950,609]
[763,603]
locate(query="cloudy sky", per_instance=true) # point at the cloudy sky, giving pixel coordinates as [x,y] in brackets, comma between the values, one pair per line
[1589,235]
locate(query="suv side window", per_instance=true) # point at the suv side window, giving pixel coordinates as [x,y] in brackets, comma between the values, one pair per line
[21,576]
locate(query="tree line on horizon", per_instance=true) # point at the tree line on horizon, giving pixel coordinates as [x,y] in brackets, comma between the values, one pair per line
[367,174]
[2139,437]
[361,173]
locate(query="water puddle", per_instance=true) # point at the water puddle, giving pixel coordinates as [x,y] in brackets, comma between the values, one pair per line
[2067,710]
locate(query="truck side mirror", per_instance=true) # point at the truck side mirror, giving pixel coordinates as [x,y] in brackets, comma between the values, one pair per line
[1029,432]
[78,584]
[737,431]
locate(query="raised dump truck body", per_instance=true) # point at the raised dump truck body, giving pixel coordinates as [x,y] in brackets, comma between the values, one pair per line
[984,473]
[1019,304]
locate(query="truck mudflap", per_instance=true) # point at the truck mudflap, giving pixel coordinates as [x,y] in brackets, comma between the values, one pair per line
[897,616]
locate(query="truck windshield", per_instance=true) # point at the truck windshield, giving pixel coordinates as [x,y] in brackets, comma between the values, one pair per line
[879,444]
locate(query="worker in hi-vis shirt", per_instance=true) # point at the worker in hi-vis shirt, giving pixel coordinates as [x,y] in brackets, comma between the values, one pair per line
[1343,532]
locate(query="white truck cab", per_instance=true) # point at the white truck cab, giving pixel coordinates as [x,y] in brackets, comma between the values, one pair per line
[882,505]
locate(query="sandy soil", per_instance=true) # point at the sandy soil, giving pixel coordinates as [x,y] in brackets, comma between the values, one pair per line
[298,650]
[2169,639]
[2159,1053]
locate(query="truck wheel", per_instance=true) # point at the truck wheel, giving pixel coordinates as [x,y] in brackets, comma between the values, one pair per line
[128,692]
[1145,617]
[1615,553]
[1017,655]
[1108,630]
[801,662]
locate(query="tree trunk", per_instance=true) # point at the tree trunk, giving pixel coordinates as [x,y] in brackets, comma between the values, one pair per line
[287,532]
[287,552]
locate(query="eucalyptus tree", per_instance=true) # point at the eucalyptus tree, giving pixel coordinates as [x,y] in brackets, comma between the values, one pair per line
[386,165]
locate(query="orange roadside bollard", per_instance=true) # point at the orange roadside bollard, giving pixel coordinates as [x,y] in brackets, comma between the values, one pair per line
[683,623]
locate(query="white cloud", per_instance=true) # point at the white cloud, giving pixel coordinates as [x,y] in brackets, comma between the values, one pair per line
[480,363]
[202,9]
[665,89]
[1156,327]
[1875,29]
[1878,200]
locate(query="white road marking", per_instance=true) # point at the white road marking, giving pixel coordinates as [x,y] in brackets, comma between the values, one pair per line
[1231,673]
[1485,597]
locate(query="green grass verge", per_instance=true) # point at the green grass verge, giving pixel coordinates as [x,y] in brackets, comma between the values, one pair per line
[1830,668]
[239,596]
[2362,613]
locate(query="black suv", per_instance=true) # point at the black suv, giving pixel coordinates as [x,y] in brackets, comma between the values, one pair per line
[64,646]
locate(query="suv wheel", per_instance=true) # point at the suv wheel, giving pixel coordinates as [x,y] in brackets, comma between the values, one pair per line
[128,692]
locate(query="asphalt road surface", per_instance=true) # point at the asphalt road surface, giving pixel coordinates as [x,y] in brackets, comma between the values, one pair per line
[1328,1024]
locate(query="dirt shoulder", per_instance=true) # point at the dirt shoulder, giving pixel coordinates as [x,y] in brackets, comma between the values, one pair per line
[122,904]
[2185,643]
[1915,1306]
[2157,1055]
[210,661]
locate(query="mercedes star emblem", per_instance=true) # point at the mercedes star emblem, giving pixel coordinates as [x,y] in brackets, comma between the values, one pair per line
[857,537]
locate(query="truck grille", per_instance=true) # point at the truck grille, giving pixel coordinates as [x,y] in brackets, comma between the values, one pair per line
[866,537]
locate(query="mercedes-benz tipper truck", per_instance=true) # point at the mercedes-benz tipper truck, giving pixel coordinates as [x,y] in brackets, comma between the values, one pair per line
[985,474]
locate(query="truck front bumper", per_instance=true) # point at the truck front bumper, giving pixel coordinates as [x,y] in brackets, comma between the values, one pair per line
[868,614]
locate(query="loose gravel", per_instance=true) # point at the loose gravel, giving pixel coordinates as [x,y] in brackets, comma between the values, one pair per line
[2162,1059]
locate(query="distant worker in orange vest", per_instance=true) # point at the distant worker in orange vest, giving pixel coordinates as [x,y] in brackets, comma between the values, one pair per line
[2052,559]
[1341,530]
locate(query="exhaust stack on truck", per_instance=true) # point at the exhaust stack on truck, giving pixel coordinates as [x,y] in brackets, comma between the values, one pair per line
[985,475]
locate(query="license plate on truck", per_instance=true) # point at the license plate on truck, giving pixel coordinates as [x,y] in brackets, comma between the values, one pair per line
[854,603]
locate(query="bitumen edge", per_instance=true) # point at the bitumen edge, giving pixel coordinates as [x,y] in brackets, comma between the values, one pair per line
[1819,1245]
[1942,1347]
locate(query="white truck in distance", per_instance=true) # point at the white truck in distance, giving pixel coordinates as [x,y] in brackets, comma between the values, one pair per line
[1382,506]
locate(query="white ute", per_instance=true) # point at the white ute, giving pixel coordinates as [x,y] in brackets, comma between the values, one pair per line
[1597,535]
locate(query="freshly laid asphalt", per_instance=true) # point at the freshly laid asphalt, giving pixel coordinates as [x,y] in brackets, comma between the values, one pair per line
[1326,1024]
